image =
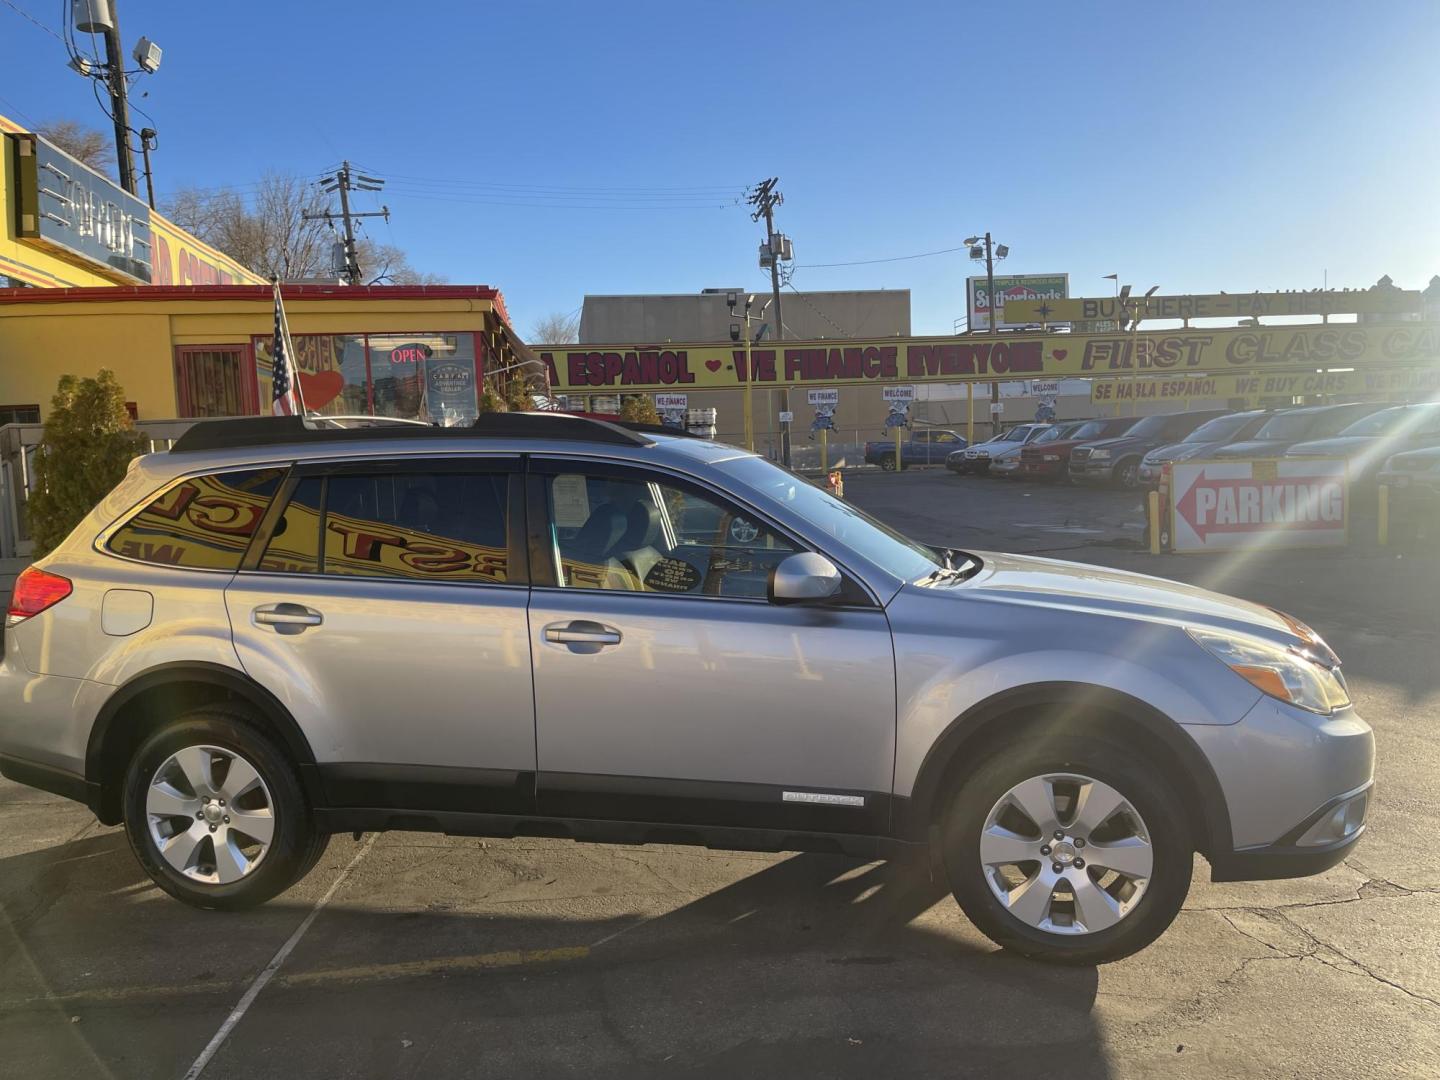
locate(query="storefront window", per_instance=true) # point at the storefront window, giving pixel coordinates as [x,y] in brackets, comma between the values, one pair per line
[427,377]
[413,376]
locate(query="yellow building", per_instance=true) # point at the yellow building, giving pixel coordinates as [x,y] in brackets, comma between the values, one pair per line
[91,277]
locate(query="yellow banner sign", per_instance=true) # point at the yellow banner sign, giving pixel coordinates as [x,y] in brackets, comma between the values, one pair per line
[985,357]
[1217,306]
[1385,381]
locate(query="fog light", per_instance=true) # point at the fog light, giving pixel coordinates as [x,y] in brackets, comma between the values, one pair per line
[1340,823]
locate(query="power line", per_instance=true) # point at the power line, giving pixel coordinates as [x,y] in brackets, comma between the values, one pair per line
[871,262]
[31,18]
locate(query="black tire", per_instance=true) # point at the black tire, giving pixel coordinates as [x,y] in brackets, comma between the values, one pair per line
[887,462]
[296,844]
[1140,782]
[1127,474]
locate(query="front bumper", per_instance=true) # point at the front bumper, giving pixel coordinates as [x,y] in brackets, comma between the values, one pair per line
[1042,470]
[1296,785]
[1094,472]
[1319,842]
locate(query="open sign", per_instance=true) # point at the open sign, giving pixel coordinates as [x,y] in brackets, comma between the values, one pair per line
[413,353]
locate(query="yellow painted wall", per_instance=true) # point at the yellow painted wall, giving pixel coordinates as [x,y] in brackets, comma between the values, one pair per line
[39,342]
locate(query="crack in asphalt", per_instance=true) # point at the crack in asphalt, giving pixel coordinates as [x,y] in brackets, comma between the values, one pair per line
[1316,949]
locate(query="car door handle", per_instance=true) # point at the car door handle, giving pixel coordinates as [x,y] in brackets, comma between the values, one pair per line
[582,632]
[287,618]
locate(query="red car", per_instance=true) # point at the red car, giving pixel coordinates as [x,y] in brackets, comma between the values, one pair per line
[1048,457]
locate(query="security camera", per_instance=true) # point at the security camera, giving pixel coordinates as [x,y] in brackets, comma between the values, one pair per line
[147,55]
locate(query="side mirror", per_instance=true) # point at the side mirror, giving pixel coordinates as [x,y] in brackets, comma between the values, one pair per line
[804,577]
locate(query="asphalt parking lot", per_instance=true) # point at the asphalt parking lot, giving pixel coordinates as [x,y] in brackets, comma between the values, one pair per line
[430,956]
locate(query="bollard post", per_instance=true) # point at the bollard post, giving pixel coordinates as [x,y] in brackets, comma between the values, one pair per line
[1384,511]
[899,443]
[1152,512]
[824,449]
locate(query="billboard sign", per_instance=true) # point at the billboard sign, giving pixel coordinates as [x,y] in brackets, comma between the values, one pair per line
[1256,351]
[1376,301]
[1290,502]
[67,207]
[1009,288]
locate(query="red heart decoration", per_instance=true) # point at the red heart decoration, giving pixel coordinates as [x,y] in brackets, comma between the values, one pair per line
[1059,354]
[713,365]
[321,388]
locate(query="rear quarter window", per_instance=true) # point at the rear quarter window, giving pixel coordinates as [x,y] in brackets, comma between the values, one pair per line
[204,522]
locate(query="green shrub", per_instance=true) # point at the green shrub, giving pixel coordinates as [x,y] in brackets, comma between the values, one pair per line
[89,442]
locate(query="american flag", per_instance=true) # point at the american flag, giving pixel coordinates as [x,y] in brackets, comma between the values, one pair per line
[284,400]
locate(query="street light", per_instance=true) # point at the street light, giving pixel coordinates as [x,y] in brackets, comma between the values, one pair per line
[990,251]
[731,300]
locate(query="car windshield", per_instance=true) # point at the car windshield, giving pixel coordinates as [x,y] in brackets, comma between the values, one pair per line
[1291,425]
[1015,434]
[1061,431]
[1220,429]
[1150,426]
[842,521]
[1401,419]
[1093,430]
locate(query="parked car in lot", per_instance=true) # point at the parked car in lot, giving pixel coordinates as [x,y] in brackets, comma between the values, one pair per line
[1117,460]
[1413,479]
[1013,466]
[1204,440]
[1049,458]
[1371,441]
[1291,426]
[929,446]
[976,459]
[272,633]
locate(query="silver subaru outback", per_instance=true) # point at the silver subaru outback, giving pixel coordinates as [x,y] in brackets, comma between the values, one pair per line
[547,625]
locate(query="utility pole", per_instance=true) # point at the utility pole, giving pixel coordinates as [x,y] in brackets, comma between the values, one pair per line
[765,198]
[91,21]
[148,143]
[346,180]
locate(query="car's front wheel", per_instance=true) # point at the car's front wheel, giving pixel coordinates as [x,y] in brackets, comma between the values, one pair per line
[1127,474]
[887,462]
[1072,851]
[215,813]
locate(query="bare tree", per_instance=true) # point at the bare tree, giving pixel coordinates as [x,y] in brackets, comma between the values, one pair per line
[557,328]
[386,264]
[269,232]
[85,144]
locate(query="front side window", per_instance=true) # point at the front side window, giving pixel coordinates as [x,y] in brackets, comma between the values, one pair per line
[946,437]
[637,534]
[205,522]
[441,526]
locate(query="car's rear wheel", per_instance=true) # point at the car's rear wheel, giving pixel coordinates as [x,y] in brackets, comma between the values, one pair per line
[215,813]
[1072,851]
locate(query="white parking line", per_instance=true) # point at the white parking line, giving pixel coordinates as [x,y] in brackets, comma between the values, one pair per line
[248,998]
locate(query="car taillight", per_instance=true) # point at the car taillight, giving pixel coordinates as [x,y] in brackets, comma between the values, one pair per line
[35,590]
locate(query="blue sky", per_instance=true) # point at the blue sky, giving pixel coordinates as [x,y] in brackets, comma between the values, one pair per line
[1199,147]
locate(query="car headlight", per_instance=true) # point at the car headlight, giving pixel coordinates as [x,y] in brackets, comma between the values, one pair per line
[1099,455]
[1287,674]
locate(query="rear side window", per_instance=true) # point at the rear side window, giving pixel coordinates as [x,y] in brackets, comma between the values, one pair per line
[444,526]
[204,522]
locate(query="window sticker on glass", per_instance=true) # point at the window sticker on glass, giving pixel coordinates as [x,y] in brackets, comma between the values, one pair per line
[742,531]
[570,502]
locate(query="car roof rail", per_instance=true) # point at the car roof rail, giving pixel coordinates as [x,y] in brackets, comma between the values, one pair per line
[276,430]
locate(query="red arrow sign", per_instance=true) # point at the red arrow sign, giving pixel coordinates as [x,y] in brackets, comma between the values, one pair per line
[1243,504]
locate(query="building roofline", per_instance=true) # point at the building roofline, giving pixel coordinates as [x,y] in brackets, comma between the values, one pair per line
[128,293]
[700,295]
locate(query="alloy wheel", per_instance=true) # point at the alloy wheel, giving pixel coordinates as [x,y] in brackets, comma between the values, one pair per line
[209,814]
[1066,854]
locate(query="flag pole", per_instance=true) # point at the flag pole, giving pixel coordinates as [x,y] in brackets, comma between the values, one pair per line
[290,348]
